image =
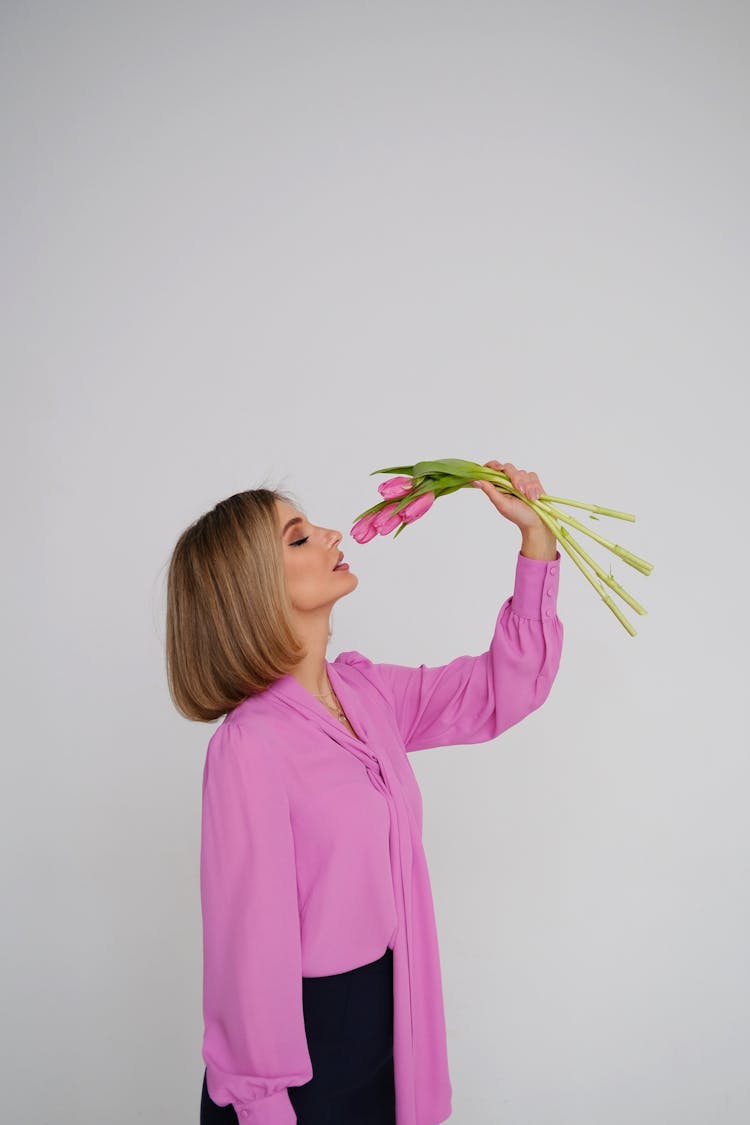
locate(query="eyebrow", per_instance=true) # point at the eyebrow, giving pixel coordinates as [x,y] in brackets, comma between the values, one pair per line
[289,523]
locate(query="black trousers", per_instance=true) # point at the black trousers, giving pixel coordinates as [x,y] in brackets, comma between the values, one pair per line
[349,1029]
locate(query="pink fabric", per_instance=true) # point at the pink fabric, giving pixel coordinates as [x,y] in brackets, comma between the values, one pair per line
[312,860]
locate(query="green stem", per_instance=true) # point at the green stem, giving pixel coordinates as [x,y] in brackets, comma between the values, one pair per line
[606,578]
[569,544]
[596,508]
[566,540]
[561,534]
[623,553]
[572,547]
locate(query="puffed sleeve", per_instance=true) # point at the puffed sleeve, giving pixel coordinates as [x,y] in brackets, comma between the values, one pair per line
[254,1042]
[475,698]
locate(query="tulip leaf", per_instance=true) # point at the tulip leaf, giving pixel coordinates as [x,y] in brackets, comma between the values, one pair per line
[447,466]
[395,469]
[371,511]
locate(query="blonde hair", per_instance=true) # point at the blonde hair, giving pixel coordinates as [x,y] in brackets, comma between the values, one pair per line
[229,631]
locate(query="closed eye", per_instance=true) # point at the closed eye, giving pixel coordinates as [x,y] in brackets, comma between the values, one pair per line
[298,542]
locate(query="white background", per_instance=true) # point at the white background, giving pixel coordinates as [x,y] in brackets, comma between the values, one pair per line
[289,244]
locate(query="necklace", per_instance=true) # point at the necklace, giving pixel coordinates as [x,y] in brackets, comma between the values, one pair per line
[339,712]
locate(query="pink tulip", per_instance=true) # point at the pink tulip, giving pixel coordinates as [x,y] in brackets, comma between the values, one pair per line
[417,507]
[363,530]
[386,519]
[395,487]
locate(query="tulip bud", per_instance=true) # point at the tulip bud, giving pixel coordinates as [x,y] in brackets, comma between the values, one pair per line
[417,507]
[363,530]
[395,487]
[386,519]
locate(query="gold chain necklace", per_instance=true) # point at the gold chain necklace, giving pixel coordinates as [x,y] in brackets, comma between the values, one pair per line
[339,713]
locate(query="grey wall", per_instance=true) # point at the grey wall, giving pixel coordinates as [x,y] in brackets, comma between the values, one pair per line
[293,243]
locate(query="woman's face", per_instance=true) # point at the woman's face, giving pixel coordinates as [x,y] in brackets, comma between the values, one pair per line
[310,554]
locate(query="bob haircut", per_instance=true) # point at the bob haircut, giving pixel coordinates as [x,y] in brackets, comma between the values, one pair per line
[229,626]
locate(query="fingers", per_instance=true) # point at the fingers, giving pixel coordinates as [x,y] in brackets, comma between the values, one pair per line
[526,483]
[531,486]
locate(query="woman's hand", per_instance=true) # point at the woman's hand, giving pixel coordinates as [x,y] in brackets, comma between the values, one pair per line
[518,511]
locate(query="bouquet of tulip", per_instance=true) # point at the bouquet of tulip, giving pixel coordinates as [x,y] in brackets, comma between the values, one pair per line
[408,496]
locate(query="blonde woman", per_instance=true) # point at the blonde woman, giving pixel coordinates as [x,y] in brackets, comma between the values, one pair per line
[322,994]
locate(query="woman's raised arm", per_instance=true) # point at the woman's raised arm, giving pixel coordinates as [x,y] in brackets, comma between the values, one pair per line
[474,698]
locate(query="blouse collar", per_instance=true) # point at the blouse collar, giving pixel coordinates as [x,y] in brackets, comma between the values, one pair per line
[289,690]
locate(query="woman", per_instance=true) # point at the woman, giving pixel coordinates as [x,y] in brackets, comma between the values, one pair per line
[322,994]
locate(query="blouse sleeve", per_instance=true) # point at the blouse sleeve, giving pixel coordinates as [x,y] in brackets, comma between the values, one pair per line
[474,698]
[254,1043]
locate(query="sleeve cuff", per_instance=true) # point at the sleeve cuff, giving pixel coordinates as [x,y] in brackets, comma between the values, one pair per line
[536,587]
[275,1110]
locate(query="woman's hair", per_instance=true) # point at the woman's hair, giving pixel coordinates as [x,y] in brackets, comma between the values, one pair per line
[229,631]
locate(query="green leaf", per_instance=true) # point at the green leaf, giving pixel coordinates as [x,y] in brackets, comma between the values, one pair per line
[371,511]
[446,489]
[407,469]
[448,466]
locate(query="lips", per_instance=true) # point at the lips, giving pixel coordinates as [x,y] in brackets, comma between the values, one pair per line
[340,559]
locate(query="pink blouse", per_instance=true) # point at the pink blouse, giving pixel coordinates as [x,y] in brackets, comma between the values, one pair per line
[312,861]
